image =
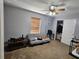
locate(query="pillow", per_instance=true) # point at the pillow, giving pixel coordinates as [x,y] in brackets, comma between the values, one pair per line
[33,38]
[39,38]
[44,37]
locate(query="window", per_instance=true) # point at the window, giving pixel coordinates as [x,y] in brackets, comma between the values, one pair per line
[35,25]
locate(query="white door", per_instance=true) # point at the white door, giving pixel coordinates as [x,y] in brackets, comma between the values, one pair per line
[68,31]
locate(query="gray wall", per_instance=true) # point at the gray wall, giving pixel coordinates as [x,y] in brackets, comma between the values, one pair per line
[18,22]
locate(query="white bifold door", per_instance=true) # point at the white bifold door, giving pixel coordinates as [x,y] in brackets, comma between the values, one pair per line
[68,31]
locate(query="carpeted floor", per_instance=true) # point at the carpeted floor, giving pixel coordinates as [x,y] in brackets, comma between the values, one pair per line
[52,50]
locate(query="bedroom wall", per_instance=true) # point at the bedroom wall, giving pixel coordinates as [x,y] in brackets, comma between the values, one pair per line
[18,22]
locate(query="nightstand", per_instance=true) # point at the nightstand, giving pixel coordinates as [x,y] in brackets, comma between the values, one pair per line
[73,46]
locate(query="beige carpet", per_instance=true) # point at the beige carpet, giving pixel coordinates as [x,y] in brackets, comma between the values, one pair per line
[52,50]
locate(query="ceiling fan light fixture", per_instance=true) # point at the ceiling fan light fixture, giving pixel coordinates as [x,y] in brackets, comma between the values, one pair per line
[54,13]
[52,7]
[50,13]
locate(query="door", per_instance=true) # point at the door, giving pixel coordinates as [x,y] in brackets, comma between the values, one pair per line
[68,31]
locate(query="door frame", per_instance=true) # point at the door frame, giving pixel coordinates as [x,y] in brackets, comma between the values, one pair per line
[56,28]
[1,29]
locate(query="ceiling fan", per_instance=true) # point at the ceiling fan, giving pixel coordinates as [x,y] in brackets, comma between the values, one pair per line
[55,8]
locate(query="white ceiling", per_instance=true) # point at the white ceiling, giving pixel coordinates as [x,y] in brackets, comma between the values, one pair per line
[39,5]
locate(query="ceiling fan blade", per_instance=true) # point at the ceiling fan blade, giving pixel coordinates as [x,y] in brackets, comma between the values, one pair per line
[57,3]
[48,12]
[61,9]
[44,10]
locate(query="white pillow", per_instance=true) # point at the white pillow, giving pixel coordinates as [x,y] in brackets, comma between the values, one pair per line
[33,38]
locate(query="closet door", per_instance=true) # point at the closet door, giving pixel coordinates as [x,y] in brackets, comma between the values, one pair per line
[68,31]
